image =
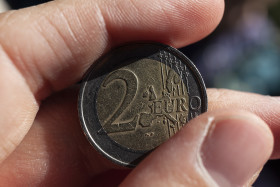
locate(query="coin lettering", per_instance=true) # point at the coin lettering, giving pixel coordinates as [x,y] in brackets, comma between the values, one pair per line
[195,103]
[159,92]
[112,125]
[136,97]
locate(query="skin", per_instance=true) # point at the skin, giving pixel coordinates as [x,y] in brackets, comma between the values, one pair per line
[45,50]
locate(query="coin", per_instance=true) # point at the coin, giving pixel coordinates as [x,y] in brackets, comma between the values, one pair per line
[136,97]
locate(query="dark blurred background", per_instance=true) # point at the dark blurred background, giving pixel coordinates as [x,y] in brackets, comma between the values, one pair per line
[243,53]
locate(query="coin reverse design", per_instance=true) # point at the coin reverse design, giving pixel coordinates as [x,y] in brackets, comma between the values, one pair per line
[136,97]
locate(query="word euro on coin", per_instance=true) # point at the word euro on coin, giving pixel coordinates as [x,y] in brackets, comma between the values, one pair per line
[136,97]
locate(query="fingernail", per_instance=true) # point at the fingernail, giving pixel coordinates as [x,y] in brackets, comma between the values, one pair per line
[235,149]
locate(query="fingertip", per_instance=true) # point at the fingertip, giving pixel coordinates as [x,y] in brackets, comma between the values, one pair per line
[225,148]
[177,23]
[266,107]
[194,23]
[237,146]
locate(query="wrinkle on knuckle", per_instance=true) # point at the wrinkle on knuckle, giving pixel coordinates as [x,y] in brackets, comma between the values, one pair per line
[5,18]
[58,34]
[217,94]
[67,22]
[268,109]
[91,26]
[134,6]
[6,148]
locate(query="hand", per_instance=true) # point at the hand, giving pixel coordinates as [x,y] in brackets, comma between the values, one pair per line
[46,49]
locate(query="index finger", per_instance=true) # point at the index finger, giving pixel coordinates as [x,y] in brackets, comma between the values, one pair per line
[46,48]
[266,107]
[53,44]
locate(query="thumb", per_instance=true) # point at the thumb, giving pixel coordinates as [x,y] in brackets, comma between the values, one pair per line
[215,149]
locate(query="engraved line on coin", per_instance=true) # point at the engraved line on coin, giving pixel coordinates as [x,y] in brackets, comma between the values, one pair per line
[131,83]
[172,78]
[163,85]
[162,75]
[187,81]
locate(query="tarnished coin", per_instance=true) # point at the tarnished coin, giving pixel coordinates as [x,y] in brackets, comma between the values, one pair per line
[138,96]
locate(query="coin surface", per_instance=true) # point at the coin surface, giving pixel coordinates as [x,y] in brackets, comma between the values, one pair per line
[136,97]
